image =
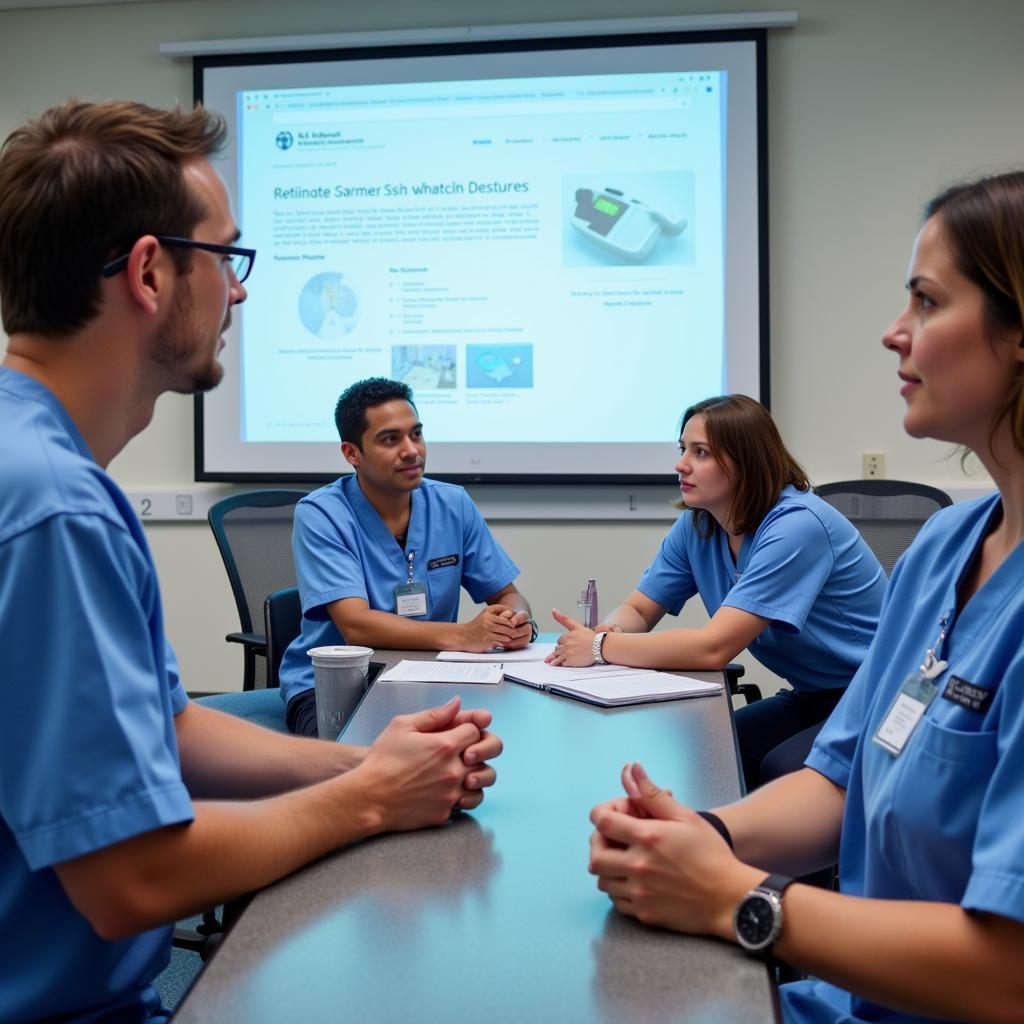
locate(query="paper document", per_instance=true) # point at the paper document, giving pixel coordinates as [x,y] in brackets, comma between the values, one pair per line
[441,672]
[612,685]
[541,674]
[531,652]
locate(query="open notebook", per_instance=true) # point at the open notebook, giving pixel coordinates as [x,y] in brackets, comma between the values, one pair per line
[609,685]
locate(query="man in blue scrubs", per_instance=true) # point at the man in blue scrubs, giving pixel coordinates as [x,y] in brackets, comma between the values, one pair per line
[382,553]
[123,806]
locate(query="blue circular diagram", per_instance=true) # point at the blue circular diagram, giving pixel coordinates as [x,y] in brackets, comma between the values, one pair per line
[329,305]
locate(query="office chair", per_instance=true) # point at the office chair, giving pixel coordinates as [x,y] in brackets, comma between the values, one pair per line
[282,618]
[253,533]
[888,513]
[282,622]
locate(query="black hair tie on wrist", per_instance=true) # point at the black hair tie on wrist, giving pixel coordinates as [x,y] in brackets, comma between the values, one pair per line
[718,825]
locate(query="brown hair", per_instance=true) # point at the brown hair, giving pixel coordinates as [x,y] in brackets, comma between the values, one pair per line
[742,430]
[78,186]
[983,221]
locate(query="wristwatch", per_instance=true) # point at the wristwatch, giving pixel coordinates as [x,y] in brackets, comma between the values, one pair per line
[596,649]
[534,631]
[758,917]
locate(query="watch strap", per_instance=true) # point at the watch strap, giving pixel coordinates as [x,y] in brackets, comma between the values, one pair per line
[596,648]
[720,827]
[776,883]
[534,630]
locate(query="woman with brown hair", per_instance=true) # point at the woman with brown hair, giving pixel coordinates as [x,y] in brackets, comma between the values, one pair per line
[780,572]
[916,779]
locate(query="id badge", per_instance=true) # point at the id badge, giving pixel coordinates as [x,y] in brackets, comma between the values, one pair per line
[411,599]
[905,712]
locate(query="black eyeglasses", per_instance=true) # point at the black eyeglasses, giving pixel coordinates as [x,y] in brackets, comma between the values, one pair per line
[241,259]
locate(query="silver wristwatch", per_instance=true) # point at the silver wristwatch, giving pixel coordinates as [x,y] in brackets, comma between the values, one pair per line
[596,649]
[757,920]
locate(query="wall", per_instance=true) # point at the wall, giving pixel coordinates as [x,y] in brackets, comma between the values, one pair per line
[873,106]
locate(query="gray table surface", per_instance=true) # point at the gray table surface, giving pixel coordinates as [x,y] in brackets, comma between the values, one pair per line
[494,917]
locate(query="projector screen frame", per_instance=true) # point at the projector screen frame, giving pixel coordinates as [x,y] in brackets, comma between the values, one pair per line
[757,36]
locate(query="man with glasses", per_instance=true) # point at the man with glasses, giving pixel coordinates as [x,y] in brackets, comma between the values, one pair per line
[122,805]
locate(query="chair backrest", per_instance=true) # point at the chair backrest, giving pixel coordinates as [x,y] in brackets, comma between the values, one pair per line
[254,535]
[888,513]
[282,618]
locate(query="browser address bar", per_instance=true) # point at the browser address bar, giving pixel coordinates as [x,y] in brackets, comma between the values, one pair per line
[453,111]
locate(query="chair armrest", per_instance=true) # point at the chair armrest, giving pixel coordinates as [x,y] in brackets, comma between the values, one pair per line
[750,691]
[253,645]
[256,641]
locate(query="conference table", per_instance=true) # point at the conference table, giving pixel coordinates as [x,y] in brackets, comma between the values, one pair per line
[493,917]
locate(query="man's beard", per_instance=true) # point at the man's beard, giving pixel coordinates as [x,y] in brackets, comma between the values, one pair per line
[178,343]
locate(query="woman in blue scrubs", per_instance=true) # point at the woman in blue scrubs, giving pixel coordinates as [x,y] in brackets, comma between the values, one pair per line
[917,779]
[781,573]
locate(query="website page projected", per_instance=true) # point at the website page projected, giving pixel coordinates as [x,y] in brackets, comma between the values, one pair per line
[541,260]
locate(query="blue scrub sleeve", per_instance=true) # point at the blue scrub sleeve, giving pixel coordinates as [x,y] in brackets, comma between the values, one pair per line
[179,698]
[327,568]
[669,579]
[790,560]
[88,755]
[486,568]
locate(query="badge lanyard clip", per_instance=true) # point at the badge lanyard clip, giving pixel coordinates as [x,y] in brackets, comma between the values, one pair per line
[410,598]
[916,693]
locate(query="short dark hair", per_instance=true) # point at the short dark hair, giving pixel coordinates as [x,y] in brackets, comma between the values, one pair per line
[350,412]
[79,185]
[743,430]
[983,224]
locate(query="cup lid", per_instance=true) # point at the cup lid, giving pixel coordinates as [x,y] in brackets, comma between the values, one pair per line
[340,652]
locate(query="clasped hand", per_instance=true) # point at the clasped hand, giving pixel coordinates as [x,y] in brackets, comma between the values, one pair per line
[498,626]
[427,764]
[662,864]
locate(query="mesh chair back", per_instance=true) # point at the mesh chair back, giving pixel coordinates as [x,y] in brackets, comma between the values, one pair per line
[888,513]
[282,616]
[254,535]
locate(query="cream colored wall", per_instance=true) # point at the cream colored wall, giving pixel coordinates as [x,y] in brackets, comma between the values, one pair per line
[873,106]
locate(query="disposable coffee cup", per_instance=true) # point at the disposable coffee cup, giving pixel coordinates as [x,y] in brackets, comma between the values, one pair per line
[340,675]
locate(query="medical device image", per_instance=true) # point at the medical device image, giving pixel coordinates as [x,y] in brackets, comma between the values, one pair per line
[625,226]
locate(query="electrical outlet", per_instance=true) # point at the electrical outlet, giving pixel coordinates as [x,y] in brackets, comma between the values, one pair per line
[873,465]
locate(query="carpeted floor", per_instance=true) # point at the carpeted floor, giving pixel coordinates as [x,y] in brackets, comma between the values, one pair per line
[177,977]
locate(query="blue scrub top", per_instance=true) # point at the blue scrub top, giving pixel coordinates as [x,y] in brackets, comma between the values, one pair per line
[806,567]
[943,821]
[88,754]
[343,549]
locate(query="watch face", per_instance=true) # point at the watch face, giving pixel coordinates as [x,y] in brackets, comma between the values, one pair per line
[755,920]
